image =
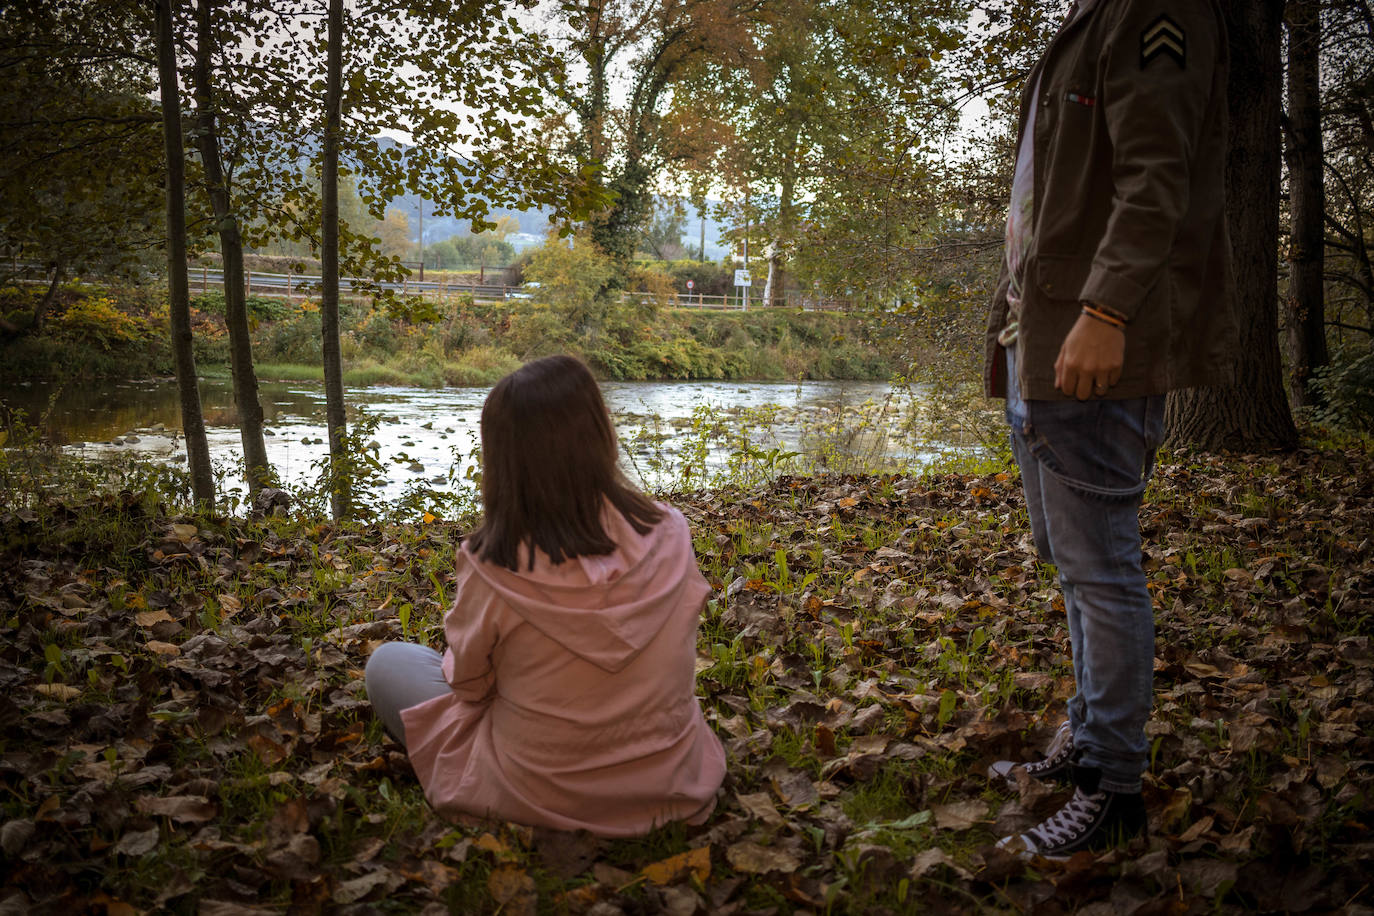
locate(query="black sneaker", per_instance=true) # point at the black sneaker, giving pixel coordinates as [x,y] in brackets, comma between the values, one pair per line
[1058,757]
[1093,820]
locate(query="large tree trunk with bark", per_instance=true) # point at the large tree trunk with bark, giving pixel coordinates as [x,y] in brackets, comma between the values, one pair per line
[340,479]
[257,472]
[1305,305]
[1252,413]
[178,293]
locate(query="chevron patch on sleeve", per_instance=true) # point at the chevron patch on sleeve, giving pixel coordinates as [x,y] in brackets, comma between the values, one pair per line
[1163,38]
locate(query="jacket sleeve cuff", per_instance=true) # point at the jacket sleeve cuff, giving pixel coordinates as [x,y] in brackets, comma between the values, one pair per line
[1114,291]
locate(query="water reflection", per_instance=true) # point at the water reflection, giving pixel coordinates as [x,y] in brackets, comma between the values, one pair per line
[80,412]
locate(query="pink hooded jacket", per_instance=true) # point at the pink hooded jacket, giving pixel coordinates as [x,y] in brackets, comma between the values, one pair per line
[574,702]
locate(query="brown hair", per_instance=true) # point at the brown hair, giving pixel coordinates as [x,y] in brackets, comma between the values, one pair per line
[549,467]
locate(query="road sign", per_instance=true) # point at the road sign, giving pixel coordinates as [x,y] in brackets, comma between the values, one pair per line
[742,278]
[691,284]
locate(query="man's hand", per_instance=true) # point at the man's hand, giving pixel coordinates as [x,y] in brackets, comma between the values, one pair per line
[1090,358]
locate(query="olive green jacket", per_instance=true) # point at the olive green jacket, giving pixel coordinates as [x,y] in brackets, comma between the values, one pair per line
[1129,207]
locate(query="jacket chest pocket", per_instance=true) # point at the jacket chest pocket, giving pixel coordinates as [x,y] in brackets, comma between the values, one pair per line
[1068,86]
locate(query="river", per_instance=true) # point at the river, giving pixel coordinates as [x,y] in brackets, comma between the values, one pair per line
[671,432]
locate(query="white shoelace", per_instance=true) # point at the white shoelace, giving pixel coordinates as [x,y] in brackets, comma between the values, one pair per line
[1069,822]
[1056,755]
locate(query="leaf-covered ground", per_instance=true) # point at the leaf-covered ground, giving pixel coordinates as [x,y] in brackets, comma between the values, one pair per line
[185,729]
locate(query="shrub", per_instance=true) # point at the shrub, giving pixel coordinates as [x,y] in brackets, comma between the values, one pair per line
[377,333]
[294,340]
[259,308]
[95,318]
[481,366]
[1346,387]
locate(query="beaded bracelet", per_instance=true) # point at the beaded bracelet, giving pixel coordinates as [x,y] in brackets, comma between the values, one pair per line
[1104,316]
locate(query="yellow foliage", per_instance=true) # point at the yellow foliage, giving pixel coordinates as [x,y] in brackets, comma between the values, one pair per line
[97,318]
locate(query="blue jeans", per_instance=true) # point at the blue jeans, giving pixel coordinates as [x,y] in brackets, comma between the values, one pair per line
[1084,466]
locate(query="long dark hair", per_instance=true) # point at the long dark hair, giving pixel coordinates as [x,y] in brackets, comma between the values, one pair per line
[549,467]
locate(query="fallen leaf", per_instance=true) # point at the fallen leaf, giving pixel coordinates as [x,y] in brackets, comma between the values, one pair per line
[825,741]
[1196,830]
[932,858]
[490,843]
[959,815]
[870,744]
[1202,669]
[1178,806]
[14,835]
[694,863]
[229,605]
[1238,844]
[58,691]
[159,647]
[136,843]
[1330,772]
[513,890]
[1208,877]
[187,809]
[149,618]
[111,906]
[269,751]
[356,889]
[753,859]
[565,853]
[760,805]
[614,877]
[680,900]
[795,789]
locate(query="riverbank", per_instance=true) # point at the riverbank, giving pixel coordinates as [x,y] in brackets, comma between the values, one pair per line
[120,333]
[185,727]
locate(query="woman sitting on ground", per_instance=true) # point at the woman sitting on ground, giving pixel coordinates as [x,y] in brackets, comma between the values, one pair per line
[566,697]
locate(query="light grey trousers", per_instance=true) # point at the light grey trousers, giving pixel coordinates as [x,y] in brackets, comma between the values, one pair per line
[400,675]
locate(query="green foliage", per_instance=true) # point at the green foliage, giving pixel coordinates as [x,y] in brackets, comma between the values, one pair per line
[469,251]
[122,333]
[661,235]
[1346,388]
[359,472]
[573,277]
[708,277]
[260,308]
[34,473]
[294,340]
[89,333]
[80,153]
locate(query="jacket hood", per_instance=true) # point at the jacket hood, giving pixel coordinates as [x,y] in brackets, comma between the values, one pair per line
[604,609]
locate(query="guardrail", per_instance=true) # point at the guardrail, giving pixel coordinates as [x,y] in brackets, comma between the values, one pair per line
[292,285]
[289,285]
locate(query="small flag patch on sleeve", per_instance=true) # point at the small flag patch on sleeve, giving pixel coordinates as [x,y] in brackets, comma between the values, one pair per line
[1163,38]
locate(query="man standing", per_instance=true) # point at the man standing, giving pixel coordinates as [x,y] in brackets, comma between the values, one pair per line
[1116,289]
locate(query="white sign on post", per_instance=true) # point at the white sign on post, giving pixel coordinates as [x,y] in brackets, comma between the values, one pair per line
[691,284]
[742,278]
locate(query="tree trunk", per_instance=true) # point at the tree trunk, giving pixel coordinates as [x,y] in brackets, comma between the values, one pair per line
[340,480]
[40,311]
[775,293]
[1306,312]
[178,294]
[257,471]
[1252,413]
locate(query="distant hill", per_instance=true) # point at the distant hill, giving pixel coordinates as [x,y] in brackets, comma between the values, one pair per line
[534,223]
